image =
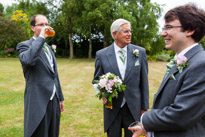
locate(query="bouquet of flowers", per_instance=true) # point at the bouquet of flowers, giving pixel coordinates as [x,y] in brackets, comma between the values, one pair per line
[108,86]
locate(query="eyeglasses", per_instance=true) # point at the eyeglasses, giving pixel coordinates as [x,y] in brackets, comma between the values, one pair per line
[169,27]
[41,25]
[127,31]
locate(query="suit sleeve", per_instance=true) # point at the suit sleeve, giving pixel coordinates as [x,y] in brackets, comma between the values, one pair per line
[28,54]
[188,106]
[98,68]
[60,91]
[144,82]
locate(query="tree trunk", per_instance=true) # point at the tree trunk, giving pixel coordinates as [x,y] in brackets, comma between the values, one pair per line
[105,38]
[71,45]
[90,45]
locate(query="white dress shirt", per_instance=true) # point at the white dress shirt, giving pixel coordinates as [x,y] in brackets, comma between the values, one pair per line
[121,65]
[50,60]
[185,50]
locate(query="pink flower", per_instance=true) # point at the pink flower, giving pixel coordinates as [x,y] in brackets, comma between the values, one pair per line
[111,82]
[102,82]
[181,60]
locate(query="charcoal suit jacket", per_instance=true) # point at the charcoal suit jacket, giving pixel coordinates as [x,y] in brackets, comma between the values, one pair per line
[40,79]
[135,79]
[179,105]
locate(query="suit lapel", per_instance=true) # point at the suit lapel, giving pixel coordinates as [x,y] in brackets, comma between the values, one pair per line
[174,70]
[164,81]
[45,59]
[54,60]
[111,57]
[130,61]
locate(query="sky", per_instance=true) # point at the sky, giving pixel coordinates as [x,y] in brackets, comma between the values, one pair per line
[7,2]
[169,4]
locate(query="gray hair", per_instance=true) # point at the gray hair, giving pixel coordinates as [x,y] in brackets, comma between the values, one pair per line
[116,25]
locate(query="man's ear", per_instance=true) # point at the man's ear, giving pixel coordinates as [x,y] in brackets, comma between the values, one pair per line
[32,28]
[114,34]
[189,33]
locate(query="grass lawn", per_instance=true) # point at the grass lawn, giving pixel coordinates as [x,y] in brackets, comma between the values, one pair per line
[83,115]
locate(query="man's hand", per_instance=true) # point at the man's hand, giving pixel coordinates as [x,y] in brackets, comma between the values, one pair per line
[46,28]
[143,111]
[104,99]
[61,106]
[137,130]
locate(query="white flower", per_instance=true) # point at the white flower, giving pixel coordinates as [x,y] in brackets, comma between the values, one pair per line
[96,88]
[136,52]
[108,87]
[54,47]
[103,82]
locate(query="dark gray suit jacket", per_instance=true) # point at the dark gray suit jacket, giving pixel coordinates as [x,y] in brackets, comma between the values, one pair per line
[179,105]
[136,81]
[40,79]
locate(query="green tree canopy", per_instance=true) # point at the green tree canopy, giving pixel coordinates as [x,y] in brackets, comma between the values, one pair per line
[11,33]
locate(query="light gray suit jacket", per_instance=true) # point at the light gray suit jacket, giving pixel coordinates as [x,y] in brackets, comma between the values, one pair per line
[40,79]
[179,105]
[136,81]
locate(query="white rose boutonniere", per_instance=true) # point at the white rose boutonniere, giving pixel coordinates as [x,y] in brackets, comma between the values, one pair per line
[181,63]
[54,47]
[136,52]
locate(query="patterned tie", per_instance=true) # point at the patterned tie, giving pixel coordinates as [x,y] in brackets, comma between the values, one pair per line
[46,51]
[122,56]
[169,66]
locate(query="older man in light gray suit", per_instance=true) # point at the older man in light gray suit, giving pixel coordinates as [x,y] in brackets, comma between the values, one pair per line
[43,98]
[133,70]
[179,105]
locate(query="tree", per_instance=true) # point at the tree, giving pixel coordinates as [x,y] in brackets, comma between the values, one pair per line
[11,33]
[144,25]
[1,9]
[97,18]
[70,18]
[202,42]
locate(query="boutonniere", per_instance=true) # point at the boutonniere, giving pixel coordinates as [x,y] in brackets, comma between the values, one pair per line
[136,52]
[181,63]
[54,47]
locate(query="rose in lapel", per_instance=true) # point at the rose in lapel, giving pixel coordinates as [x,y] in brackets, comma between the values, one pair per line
[136,53]
[181,63]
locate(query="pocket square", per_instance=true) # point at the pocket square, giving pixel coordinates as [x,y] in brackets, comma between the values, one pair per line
[137,63]
[172,77]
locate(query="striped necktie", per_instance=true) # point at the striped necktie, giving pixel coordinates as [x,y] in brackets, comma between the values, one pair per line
[122,56]
[46,51]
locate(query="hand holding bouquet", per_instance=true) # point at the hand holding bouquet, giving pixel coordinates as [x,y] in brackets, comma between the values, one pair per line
[108,86]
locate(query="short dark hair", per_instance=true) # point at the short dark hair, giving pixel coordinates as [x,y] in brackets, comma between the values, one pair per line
[33,19]
[191,18]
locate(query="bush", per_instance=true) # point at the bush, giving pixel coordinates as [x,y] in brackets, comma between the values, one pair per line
[151,58]
[164,56]
[11,34]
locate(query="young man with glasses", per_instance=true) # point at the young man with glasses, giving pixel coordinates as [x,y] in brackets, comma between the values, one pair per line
[43,97]
[179,105]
